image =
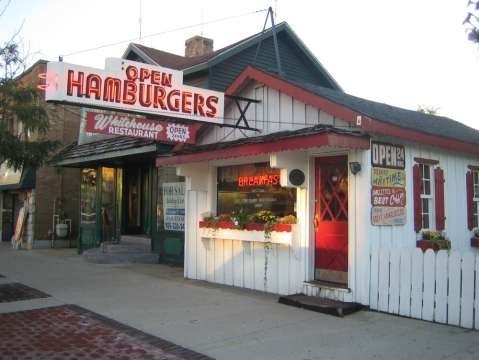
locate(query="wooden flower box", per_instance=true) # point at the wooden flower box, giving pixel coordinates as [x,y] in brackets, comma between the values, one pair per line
[428,244]
[475,241]
[280,233]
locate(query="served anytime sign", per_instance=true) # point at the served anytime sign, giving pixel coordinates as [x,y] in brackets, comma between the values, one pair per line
[133,126]
[132,86]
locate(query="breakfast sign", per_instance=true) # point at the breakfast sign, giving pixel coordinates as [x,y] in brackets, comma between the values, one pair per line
[132,87]
[388,184]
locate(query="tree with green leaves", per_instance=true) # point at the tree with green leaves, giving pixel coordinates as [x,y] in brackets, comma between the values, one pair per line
[23,117]
[472,21]
[430,110]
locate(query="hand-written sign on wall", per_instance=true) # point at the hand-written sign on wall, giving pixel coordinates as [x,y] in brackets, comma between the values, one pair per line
[174,206]
[388,184]
[382,177]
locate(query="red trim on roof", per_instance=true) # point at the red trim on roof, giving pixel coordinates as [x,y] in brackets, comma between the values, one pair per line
[295,143]
[371,125]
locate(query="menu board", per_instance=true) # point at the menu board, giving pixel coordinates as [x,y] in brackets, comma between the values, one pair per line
[174,206]
[388,184]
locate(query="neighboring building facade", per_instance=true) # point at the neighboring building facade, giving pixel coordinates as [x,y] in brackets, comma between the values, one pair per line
[44,191]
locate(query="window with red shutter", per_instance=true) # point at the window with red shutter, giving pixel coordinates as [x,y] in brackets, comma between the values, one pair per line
[439,198]
[472,186]
[417,198]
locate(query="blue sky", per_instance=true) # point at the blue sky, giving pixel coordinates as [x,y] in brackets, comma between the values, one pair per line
[405,53]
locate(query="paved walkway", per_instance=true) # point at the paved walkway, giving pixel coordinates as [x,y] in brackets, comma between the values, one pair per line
[222,322]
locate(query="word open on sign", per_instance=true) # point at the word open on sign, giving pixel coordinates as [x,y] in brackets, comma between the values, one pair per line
[387,155]
[132,86]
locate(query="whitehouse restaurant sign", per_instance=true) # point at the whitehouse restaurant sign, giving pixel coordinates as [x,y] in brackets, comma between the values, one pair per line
[134,126]
[132,86]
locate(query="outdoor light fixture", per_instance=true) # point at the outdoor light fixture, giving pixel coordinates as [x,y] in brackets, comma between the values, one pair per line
[355,167]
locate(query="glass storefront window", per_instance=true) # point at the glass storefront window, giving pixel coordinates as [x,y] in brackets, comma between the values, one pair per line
[88,211]
[170,206]
[252,188]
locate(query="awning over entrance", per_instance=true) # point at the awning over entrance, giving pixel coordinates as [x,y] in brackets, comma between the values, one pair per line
[16,180]
[111,152]
[306,138]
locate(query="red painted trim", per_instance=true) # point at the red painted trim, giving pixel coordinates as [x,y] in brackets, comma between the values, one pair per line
[439,199]
[473,167]
[475,242]
[371,125]
[470,200]
[416,177]
[302,142]
[426,161]
[426,244]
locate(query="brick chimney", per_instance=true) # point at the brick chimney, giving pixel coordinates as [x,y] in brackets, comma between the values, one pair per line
[198,45]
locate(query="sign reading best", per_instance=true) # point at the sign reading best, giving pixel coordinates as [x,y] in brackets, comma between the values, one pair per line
[132,86]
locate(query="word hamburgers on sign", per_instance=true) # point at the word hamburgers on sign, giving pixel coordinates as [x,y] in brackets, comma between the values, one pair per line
[132,86]
[387,155]
[133,126]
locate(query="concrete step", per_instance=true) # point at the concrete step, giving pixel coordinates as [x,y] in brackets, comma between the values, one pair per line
[320,304]
[129,250]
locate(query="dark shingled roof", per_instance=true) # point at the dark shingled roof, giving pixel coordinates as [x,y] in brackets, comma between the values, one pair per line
[280,135]
[415,120]
[179,62]
[103,146]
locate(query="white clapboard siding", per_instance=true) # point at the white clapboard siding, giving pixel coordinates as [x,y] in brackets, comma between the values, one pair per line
[476,302]
[416,283]
[374,283]
[383,280]
[454,297]
[467,292]
[394,278]
[429,286]
[405,284]
[433,286]
[441,286]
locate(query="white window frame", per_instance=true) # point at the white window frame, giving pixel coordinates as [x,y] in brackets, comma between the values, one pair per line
[428,197]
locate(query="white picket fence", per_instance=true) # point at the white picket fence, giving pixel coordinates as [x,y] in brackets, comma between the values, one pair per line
[442,287]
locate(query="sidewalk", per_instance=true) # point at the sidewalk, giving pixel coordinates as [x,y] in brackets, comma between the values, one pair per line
[223,322]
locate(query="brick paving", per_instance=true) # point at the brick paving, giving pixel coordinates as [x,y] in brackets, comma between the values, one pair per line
[70,332]
[15,292]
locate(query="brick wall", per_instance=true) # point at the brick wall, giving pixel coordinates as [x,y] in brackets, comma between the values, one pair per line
[56,184]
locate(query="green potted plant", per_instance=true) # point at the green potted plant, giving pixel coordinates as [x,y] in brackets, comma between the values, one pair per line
[433,240]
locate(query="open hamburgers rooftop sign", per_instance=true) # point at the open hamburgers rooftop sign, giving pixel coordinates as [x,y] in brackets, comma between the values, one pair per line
[131,86]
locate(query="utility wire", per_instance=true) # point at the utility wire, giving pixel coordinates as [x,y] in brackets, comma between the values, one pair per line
[164,32]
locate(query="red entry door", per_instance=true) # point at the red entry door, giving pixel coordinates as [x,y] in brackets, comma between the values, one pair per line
[331,219]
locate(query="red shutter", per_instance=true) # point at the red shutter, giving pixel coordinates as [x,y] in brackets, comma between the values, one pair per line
[439,198]
[416,175]
[470,195]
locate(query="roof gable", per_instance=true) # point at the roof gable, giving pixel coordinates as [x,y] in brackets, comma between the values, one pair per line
[378,118]
[299,62]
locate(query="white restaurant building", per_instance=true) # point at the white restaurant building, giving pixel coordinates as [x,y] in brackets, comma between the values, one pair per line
[366,182]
